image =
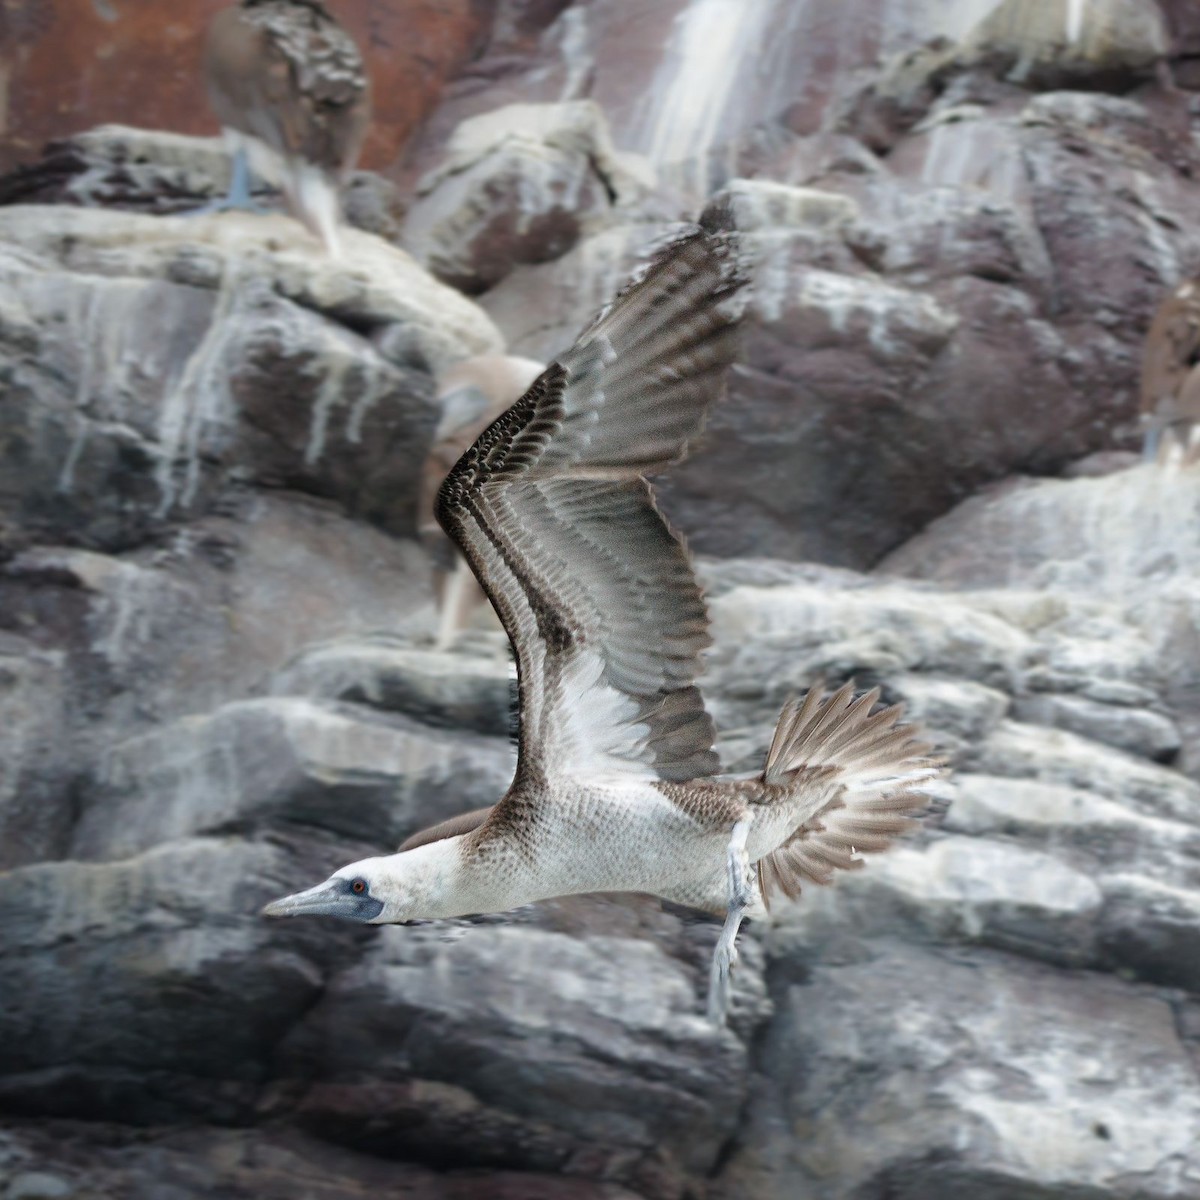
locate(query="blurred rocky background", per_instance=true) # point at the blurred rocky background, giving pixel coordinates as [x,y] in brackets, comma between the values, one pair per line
[216,673]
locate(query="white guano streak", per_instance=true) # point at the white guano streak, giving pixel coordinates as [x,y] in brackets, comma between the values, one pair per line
[1075,9]
[200,400]
[710,50]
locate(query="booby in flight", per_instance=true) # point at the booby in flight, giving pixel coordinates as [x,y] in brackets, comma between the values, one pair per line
[1170,387]
[617,786]
[472,394]
[289,88]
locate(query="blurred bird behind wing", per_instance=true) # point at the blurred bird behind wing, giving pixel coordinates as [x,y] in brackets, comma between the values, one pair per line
[472,394]
[1170,389]
[290,90]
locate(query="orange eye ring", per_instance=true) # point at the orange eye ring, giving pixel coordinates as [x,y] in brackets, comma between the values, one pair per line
[358,887]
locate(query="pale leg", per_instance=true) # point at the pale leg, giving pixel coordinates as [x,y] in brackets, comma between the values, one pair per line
[239,191]
[741,897]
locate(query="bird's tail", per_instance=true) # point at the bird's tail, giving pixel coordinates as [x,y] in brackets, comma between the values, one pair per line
[313,195]
[880,776]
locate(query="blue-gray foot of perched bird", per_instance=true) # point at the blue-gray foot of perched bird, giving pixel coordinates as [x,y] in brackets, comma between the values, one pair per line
[741,897]
[238,196]
[1151,444]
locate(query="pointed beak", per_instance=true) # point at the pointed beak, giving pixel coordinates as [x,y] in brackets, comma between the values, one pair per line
[329,899]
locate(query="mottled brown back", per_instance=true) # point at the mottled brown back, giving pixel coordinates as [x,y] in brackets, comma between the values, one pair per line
[285,72]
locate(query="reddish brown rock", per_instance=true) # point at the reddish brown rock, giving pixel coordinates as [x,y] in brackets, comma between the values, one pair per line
[72,64]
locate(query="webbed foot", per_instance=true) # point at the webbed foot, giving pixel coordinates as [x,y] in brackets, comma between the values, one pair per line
[238,198]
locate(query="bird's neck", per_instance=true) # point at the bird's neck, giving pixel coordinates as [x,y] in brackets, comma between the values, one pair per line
[424,882]
[440,880]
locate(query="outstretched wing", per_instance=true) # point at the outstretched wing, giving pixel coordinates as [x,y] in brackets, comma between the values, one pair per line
[550,509]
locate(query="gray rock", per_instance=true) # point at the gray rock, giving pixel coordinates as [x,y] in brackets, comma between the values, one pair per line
[890,101]
[36,803]
[1055,756]
[986,1077]
[150,989]
[1056,44]
[1139,731]
[120,166]
[958,713]
[454,690]
[518,185]
[580,1054]
[155,171]
[945,234]
[1104,835]
[1183,28]
[1151,930]
[116,1163]
[336,767]
[111,648]
[863,339]
[1116,535]
[37,1185]
[773,641]
[955,890]
[1144,866]
[541,308]
[760,206]
[152,355]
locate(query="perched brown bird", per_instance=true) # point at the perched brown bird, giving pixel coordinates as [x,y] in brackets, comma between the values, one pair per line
[472,394]
[289,88]
[617,786]
[1170,393]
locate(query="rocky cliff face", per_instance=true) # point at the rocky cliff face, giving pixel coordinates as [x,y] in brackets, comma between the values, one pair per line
[216,680]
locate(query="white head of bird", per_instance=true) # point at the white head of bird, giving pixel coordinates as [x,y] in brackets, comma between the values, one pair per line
[388,890]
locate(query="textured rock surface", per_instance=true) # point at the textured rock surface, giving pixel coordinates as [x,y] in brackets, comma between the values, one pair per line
[72,64]
[517,185]
[587,1053]
[947,299]
[151,170]
[959,1077]
[152,362]
[110,1163]
[217,681]
[1059,43]
[927,273]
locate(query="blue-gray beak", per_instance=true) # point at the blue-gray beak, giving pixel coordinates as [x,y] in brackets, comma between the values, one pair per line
[333,898]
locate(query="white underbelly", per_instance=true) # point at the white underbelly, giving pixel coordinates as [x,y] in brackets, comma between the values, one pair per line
[625,837]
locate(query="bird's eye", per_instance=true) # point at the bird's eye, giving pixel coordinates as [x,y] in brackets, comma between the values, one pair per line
[358,886]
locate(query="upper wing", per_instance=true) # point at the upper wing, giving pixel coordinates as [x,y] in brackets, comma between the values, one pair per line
[463,823]
[551,510]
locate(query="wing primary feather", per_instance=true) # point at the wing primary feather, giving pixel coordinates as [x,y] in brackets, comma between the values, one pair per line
[550,507]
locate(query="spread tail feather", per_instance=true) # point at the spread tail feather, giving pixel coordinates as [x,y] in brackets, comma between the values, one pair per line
[884,774]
